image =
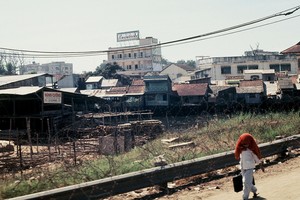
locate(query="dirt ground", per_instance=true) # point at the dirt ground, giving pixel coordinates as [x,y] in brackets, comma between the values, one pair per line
[280,181]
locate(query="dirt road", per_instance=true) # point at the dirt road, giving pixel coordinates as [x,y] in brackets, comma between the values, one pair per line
[279,182]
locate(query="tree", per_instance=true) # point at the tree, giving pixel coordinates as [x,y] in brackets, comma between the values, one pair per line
[108,70]
[190,63]
[9,62]
[10,69]
[165,62]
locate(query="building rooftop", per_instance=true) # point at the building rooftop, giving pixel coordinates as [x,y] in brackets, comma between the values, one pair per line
[94,79]
[197,89]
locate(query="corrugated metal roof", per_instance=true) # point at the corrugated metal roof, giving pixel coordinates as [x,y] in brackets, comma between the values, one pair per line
[156,78]
[254,83]
[293,49]
[4,80]
[94,79]
[95,93]
[197,89]
[249,90]
[136,90]
[285,83]
[21,90]
[137,82]
[116,92]
[109,82]
[216,88]
[70,90]
[254,86]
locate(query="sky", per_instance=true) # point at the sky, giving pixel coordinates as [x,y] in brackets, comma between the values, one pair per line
[90,25]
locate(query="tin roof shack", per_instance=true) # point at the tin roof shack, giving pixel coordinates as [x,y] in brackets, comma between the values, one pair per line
[158,91]
[38,109]
[222,98]
[193,97]
[15,81]
[288,91]
[250,92]
[109,83]
[116,98]
[93,82]
[135,95]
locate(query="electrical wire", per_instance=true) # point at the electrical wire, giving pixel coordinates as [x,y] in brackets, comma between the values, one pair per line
[64,54]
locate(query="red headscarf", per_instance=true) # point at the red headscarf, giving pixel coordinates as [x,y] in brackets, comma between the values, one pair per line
[246,139]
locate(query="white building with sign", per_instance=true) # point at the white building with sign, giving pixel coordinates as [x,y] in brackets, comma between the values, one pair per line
[143,54]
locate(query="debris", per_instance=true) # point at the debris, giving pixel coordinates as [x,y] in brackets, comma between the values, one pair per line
[185,144]
[160,161]
[170,140]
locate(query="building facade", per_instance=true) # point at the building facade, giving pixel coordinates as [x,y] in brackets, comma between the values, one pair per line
[145,56]
[53,68]
[221,69]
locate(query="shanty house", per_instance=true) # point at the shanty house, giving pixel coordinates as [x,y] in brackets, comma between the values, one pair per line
[158,91]
[93,82]
[250,92]
[14,81]
[192,94]
[39,109]
[135,95]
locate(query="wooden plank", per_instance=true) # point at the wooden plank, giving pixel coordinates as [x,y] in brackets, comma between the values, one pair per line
[158,175]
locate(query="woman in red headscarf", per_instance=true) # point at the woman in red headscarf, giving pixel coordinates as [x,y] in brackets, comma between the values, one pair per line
[247,151]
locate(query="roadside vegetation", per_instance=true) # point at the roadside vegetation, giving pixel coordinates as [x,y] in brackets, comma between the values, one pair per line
[214,136]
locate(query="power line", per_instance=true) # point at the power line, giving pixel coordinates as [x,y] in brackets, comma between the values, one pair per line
[62,54]
[233,32]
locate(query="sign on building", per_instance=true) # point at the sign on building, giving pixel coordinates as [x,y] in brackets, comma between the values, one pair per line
[52,97]
[126,36]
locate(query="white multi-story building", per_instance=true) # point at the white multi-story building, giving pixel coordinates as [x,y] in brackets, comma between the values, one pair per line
[223,69]
[53,68]
[57,69]
[145,56]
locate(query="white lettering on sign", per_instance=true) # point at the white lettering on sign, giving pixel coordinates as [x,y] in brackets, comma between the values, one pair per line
[126,36]
[52,97]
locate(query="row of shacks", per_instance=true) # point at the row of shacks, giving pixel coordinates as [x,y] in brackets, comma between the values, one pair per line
[158,93]
[27,104]
[29,109]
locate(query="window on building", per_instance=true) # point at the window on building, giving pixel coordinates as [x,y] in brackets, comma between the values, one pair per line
[254,77]
[120,56]
[275,67]
[112,57]
[226,70]
[286,67]
[128,66]
[129,55]
[141,54]
[136,66]
[134,55]
[241,68]
[252,66]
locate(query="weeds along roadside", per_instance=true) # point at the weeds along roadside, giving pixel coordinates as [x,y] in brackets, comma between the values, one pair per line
[217,135]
